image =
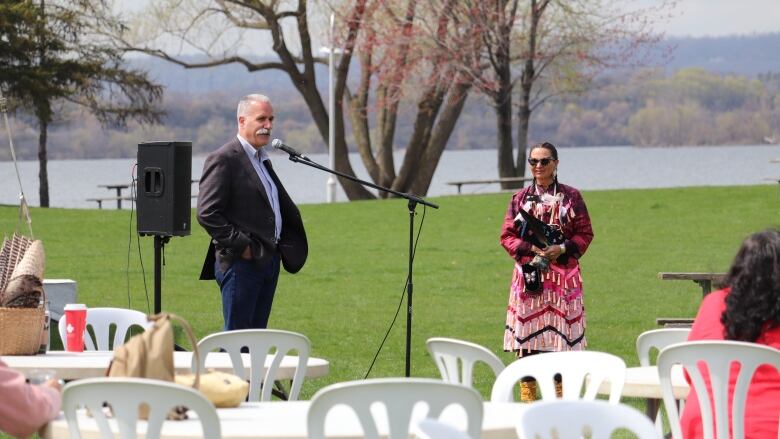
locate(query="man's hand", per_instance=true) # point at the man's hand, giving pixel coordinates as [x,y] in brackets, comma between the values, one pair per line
[247,254]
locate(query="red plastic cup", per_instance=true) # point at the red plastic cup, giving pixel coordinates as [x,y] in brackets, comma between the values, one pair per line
[75,323]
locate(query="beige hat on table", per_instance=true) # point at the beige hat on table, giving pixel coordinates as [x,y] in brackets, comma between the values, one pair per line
[25,288]
[33,262]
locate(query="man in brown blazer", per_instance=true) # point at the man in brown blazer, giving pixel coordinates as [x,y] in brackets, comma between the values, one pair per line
[253,223]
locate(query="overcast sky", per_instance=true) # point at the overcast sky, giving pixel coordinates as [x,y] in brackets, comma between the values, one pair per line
[697,18]
[689,18]
[702,18]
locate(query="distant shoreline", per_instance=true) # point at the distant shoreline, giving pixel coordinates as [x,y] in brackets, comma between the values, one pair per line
[71,182]
[402,151]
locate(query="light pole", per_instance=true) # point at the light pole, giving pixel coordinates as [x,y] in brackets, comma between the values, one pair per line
[331,184]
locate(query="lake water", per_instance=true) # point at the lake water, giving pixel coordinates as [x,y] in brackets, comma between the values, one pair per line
[71,182]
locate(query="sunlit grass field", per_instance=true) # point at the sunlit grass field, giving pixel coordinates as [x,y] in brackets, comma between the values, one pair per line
[347,294]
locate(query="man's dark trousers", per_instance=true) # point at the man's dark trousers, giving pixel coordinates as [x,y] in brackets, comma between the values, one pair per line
[247,293]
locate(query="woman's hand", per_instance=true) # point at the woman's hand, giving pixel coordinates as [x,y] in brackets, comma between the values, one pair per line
[552,252]
[54,384]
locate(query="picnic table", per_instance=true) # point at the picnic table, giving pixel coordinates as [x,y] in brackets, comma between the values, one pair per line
[91,364]
[119,188]
[777,179]
[704,280]
[118,198]
[100,201]
[645,382]
[275,420]
[460,183]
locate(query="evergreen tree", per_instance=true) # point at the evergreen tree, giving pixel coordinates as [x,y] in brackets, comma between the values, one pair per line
[49,56]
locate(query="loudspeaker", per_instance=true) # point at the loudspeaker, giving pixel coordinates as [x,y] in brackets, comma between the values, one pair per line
[164,186]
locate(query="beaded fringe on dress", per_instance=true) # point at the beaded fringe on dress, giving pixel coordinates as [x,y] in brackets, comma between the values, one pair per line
[551,321]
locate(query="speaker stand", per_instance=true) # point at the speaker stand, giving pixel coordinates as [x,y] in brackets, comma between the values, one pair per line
[159,243]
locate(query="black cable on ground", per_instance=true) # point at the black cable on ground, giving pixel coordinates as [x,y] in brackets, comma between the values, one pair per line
[403,294]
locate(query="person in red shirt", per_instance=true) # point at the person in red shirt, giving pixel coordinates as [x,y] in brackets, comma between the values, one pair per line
[25,408]
[748,310]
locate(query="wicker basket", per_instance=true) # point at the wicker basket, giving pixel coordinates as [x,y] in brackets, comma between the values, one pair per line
[20,330]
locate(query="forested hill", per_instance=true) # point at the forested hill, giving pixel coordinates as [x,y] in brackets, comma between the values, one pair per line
[739,55]
[708,91]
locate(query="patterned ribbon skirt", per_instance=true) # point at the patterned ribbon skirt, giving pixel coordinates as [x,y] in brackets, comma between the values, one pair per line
[551,321]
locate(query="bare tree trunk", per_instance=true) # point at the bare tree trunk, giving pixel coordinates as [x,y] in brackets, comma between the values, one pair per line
[305,82]
[357,106]
[438,140]
[431,132]
[503,97]
[43,175]
[506,166]
[307,89]
[43,112]
[524,117]
[428,106]
[503,104]
[386,123]
[526,83]
[354,191]
[390,92]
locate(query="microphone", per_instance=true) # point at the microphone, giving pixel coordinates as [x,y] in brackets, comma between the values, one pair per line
[278,144]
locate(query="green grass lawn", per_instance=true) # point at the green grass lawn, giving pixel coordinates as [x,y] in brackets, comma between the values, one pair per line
[347,294]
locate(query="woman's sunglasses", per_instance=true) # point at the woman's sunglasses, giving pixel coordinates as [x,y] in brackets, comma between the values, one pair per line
[545,161]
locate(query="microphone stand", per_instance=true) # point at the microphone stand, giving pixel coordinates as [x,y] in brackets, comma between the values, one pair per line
[412,205]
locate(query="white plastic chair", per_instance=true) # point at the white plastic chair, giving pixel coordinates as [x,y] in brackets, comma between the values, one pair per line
[574,367]
[399,396]
[718,356]
[433,429]
[260,343]
[567,419]
[658,339]
[125,395]
[456,358]
[101,320]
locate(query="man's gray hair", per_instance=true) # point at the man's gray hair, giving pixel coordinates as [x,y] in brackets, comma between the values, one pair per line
[243,104]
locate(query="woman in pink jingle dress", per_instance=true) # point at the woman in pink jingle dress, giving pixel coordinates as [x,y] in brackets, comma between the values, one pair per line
[552,319]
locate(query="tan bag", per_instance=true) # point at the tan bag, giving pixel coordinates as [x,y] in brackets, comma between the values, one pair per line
[150,354]
[222,389]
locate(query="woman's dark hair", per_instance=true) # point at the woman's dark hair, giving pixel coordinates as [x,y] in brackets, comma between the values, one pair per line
[553,152]
[753,304]
[548,146]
